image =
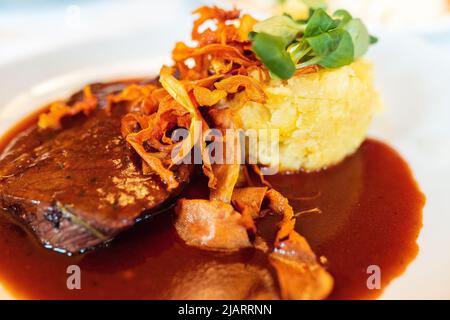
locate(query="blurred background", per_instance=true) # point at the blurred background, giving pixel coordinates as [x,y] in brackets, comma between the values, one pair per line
[29,27]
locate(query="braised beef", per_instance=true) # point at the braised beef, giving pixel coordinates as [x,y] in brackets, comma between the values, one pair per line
[79,187]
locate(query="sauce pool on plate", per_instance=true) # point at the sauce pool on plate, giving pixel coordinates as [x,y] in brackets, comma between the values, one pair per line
[366,211]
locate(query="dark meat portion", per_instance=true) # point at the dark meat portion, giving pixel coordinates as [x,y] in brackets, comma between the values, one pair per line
[79,187]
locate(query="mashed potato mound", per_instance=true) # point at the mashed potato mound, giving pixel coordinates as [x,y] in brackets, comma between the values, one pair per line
[321,117]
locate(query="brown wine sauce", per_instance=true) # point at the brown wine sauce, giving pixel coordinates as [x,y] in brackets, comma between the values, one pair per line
[369,213]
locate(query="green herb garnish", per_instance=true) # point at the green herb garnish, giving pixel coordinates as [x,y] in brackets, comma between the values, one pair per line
[284,44]
[272,51]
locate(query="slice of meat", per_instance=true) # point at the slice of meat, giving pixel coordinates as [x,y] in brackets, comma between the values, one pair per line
[79,187]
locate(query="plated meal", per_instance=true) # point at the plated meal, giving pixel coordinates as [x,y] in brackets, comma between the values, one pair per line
[240,171]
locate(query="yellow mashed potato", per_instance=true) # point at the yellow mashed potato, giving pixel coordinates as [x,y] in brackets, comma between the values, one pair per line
[321,117]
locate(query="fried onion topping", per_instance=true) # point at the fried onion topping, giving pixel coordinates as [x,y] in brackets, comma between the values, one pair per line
[59,109]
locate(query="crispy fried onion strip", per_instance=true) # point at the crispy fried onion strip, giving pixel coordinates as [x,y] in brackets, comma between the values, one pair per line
[210,224]
[248,201]
[216,225]
[222,50]
[252,88]
[223,32]
[140,97]
[216,52]
[177,91]
[60,109]
[300,276]
[226,174]
[208,98]
[224,177]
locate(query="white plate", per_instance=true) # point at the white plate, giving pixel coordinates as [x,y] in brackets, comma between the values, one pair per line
[413,79]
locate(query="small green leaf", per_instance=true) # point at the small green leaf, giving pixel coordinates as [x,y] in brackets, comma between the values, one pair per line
[333,49]
[280,26]
[343,15]
[272,52]
[360,36]
[283,44]
[319,23]
[373,39]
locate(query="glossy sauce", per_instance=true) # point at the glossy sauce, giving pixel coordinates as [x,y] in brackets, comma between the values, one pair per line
[371,214]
